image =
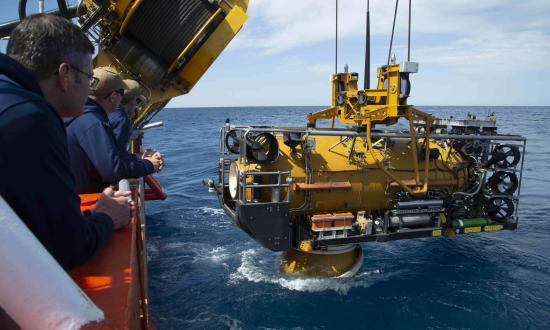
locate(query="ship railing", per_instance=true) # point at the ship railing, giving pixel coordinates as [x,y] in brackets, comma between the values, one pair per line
[224,162]
[224,172]
[312,131]
[492,140]
[248,182]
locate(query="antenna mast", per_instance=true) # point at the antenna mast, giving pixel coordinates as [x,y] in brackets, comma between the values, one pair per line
[366,76]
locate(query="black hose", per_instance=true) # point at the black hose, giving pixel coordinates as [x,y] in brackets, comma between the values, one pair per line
[22,9]
[63,10]
[7,27]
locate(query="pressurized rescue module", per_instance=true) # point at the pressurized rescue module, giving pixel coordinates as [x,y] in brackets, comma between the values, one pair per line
[317,192]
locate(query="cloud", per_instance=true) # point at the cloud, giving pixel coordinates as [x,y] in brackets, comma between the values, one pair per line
[475,52]
[510,51]
[321,68]
[472,30]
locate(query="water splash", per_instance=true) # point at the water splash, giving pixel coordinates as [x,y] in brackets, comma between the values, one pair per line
[211,211]
[254,269]
[217,255]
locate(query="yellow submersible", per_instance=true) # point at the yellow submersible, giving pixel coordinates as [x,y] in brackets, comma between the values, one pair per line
[316,193]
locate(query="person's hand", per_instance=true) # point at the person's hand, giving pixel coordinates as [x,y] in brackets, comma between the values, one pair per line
[155,157]
[116,206]
[147,153]
[159,156]
[157,162]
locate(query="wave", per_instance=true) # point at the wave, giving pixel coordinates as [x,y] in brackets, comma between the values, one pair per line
[231,323]
[206,319]
[253,269]
[211,210]
[217,255]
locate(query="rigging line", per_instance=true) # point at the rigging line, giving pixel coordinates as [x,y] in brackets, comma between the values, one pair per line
[336,48]
[392,30]
[409,42]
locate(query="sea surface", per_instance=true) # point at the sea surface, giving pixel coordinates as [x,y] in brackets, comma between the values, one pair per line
[205,273]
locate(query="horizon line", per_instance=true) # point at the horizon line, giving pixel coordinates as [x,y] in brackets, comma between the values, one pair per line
[324,106]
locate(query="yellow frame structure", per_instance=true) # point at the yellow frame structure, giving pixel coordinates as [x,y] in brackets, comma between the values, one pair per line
[382,105]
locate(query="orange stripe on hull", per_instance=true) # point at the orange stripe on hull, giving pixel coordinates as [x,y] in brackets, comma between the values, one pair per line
[113,278]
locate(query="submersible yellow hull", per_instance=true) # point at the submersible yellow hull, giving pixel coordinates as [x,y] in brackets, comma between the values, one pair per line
[341,261]
[316,193]
[341,180]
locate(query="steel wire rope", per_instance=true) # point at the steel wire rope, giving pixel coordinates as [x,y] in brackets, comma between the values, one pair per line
[393,30]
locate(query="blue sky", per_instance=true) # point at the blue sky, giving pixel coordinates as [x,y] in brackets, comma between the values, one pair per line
[471,52]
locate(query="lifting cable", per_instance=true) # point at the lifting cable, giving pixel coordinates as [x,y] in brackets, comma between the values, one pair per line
[336,40]
[392,30]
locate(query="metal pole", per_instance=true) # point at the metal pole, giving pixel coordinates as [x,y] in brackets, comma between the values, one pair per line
[409,43]
[336,48]
[366,77]
[392,30]
[41,6]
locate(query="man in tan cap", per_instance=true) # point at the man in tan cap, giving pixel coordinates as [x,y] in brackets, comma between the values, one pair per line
[108,89]
[96,159]
[120,118]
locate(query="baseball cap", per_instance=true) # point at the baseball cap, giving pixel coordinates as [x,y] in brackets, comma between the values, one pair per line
[108,81]
[142,99]
[132,91]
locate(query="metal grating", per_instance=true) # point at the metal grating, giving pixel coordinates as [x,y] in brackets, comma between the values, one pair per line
[166,27]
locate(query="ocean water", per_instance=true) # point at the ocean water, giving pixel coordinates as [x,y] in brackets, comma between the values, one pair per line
[205,273]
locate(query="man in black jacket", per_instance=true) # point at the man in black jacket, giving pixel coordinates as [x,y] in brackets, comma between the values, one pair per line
[46,76]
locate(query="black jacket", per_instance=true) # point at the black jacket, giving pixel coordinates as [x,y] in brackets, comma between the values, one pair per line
[35,178]
[96,160]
